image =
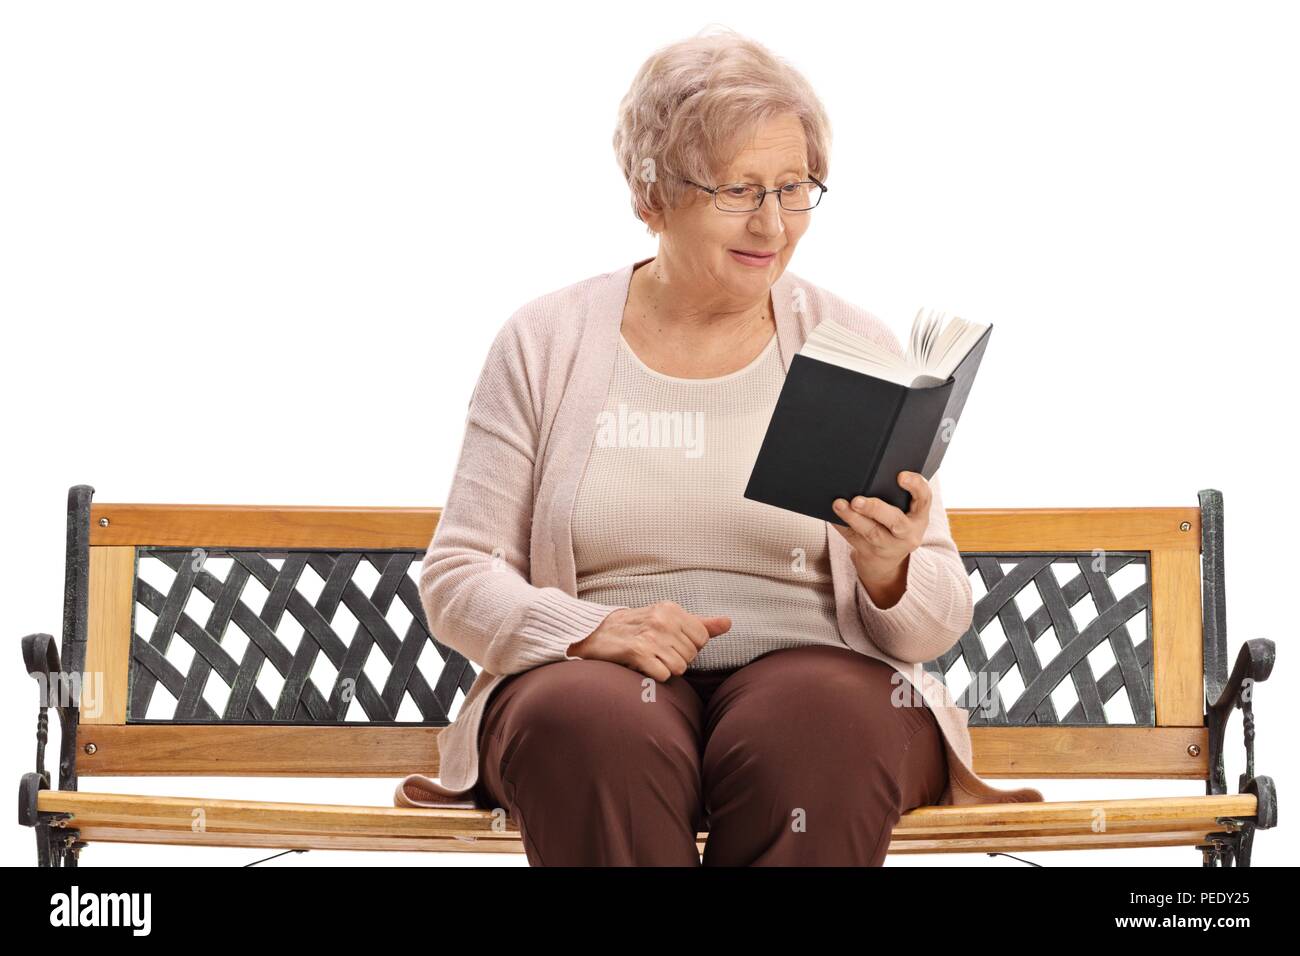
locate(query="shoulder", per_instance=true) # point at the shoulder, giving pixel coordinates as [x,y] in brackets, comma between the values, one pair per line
[534,351]
[550,325]
[819,303]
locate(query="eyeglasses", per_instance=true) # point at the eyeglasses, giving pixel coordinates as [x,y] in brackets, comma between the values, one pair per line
[747,197]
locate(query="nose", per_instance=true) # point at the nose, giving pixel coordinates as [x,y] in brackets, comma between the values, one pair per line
[769,214]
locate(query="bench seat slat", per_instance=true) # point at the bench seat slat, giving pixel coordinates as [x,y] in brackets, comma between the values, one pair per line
[138,818]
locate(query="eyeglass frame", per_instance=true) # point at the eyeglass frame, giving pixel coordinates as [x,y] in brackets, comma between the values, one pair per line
[762,195]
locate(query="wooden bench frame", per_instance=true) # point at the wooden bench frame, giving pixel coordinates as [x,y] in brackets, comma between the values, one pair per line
[1175,681]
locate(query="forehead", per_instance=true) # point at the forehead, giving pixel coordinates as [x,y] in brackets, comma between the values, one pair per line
[772,147]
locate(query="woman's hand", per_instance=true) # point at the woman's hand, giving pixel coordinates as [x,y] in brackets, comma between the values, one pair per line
[882,536]
[658,640]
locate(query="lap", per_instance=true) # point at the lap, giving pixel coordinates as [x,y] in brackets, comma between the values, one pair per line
[835,688]
[564,695]
[815,707]
[828,714]
[584,712]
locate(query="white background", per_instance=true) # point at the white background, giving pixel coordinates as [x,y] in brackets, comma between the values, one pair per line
[256,252]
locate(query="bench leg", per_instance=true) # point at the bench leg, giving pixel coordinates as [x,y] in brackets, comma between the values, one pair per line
[56,843]
[1228,847]
[1232,845]
[57,846]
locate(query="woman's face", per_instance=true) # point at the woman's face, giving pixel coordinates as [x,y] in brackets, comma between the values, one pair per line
[699,240]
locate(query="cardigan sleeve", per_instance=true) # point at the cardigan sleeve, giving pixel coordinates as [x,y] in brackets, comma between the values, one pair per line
[474,581]
[937,606]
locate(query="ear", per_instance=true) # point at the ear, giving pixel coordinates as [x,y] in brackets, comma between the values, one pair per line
[653,218]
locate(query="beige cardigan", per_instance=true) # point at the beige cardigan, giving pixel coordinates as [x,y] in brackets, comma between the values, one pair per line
[498,581]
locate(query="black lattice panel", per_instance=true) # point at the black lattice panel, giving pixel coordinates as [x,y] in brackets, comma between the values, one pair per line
[287,636]
[1060,639]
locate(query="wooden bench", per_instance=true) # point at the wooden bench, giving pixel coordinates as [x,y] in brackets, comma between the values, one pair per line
[290,641]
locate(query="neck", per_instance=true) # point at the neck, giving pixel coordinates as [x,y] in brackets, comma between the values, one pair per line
[674,307]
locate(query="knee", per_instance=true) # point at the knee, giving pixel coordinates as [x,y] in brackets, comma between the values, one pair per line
[596,709]
[813,713]
[827,687]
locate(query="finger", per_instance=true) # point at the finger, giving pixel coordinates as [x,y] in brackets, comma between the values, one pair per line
[867,529]
[657,670]
[718,624]
[700,628]
[855,540]
[883,513]
[692,636]
[674,661]
[846,530]
[687,649]
[922,493]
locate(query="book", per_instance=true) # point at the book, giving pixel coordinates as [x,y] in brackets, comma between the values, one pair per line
[851,415]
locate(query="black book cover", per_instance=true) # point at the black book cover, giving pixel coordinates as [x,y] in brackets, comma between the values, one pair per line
[837,433]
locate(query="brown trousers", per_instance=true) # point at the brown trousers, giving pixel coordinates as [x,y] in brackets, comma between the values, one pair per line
[803,757]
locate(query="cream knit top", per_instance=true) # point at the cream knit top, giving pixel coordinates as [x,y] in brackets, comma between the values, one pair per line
[660,512]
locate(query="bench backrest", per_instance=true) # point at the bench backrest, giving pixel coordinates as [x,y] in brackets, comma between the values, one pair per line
[290,641]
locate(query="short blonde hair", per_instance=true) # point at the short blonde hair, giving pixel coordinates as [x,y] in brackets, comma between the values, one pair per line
[692,101]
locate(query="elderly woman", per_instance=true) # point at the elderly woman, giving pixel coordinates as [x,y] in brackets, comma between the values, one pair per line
[661,655]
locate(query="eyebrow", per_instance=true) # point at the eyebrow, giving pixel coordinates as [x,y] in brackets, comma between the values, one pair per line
[752,175]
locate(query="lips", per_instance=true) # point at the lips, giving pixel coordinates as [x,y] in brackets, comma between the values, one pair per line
[756,255]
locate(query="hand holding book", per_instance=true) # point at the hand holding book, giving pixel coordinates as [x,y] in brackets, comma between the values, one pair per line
[883,537]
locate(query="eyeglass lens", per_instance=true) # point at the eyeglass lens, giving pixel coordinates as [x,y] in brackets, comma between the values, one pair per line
[794,197]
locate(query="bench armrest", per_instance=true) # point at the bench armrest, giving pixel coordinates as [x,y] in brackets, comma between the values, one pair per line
[1254,664]
[41,659]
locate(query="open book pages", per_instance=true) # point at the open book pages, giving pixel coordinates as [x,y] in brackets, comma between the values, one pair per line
[934,350]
